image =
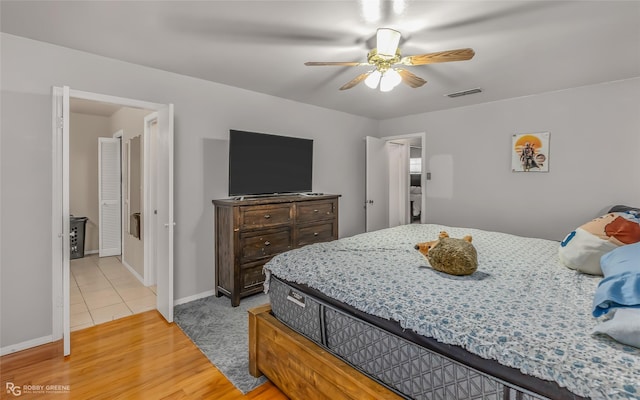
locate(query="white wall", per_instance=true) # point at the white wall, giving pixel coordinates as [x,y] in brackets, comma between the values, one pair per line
[204,113]
[594,162]
[84,131]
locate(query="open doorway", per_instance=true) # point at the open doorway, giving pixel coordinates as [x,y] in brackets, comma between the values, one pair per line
[107,277]
[395,194]
[164,224]
[416,184]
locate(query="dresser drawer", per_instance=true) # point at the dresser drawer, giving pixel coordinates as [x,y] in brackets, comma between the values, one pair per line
[252,277]
[322,232]
[265,216]
[315,210]
[256,245]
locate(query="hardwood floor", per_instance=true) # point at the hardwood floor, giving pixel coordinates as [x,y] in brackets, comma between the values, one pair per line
[136,357]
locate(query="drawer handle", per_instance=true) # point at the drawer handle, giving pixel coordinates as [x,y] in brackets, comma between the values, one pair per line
[315,211]
[267,216]
[267,243]
[315,233]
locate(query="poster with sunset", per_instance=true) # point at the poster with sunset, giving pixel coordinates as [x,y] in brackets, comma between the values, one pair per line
[530,152]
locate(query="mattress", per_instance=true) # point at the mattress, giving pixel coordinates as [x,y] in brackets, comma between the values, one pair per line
[521,310]
[415,367]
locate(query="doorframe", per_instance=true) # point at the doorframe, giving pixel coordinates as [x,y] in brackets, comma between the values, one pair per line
[120,135]
[60,207]
[423,154]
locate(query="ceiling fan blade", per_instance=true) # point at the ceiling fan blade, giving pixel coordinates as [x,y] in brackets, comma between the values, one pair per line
[439,57]
[355,81]
[334,63]
[411,79]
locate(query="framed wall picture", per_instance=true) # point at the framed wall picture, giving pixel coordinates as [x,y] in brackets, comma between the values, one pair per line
[530,152]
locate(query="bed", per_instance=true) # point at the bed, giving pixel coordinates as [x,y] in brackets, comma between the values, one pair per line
[392,327]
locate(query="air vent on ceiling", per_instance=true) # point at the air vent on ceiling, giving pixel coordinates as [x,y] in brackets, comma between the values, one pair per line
[464,92]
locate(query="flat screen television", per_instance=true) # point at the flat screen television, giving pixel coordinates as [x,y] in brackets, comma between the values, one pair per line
[261,164]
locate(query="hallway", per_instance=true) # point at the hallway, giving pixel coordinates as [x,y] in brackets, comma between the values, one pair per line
[102,290]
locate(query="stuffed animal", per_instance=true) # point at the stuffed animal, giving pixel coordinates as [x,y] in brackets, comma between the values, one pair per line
[449,255]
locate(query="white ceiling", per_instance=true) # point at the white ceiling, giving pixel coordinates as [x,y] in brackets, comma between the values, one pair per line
[522,47]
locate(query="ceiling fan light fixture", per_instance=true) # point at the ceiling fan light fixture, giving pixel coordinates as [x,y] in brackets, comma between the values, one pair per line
[373,79]
[389,80]
[387,41]
[385,87]
[386,56]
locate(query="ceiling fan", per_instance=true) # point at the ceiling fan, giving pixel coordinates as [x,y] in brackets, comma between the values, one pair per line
[386,56]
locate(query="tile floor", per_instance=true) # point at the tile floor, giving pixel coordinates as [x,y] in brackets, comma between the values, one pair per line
[102,289]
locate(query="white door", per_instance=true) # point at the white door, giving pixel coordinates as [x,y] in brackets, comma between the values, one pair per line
[109,197]
[398,152]
[61,243]
[164,216]
[149,220]
[377,185]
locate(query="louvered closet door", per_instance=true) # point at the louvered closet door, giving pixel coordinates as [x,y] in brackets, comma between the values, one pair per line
[109,197]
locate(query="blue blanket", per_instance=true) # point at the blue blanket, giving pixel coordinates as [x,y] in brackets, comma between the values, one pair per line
[621,284]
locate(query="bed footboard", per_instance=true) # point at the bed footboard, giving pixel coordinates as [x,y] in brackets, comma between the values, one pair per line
[302,369]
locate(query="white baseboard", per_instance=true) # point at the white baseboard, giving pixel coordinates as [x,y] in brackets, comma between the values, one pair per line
[25,345]
[133,271]
[189,299]
[88,252]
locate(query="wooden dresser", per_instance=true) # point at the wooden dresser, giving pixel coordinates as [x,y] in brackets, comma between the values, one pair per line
[249,232]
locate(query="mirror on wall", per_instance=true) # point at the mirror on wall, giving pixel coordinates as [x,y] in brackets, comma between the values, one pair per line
[134,186]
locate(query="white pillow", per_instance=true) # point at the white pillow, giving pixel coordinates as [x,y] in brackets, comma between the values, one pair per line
[623,327]
[581,250]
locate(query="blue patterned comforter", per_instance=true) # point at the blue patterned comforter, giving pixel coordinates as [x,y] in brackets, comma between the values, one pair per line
[522,307]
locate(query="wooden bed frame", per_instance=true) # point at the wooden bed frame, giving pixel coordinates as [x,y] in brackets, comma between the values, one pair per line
[300,368]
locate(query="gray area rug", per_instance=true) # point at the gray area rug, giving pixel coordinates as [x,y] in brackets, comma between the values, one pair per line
[221,333]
